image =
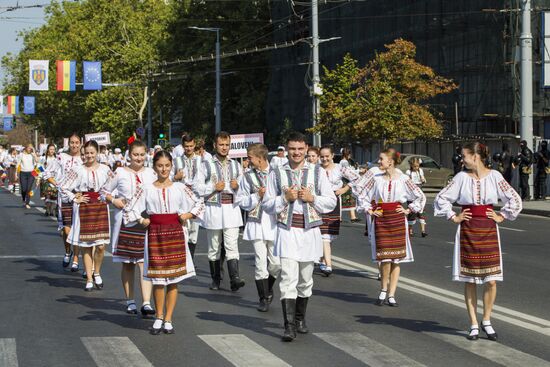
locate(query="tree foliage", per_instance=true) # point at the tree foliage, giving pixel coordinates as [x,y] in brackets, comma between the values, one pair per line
[384,100]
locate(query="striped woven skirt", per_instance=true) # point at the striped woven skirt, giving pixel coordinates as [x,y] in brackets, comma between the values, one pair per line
[67,214]
[390,233]
[94,219]
[131,242]
[166,252]
[479,246]
[331,221]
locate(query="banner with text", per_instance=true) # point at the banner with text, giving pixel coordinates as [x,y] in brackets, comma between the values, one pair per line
[240,142]
[100,138]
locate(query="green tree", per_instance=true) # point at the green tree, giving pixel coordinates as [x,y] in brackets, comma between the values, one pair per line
[385,100]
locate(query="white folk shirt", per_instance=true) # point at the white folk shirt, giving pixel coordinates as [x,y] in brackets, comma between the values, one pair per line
[267,228]
[191,166]
[335,177]
[299,244]
[416,176]
[178,151]
[62,166]
[277,162]
[400,189]
[220,216]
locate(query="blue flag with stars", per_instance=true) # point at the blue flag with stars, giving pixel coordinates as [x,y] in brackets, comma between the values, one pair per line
[92,75]
[28,105]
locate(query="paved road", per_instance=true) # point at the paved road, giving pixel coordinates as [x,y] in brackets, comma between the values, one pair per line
[49,320]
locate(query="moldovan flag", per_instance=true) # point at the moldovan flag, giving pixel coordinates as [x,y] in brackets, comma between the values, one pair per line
[66,75]
[38,74]
[13,105]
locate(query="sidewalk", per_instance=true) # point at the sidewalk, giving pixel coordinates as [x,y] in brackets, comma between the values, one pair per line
[541,208]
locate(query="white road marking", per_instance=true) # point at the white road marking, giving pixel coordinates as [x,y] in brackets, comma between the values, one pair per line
[8,353]
[513,317]
[15,257]
[115,351]
[240,253]
[367,350]
[512,229]
[449,242]
[241,351]
[495,352]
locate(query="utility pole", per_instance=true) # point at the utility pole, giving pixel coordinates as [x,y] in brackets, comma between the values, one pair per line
[526,88]
[315,89]
[149,117]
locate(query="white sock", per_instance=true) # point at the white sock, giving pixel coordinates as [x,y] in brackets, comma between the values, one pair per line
[391,299]
[131,304]
[168,325]
[147,306]
[474,330]
[487,326]
[157,324]
[382,294]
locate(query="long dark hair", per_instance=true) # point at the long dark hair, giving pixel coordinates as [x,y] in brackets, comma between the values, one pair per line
[161,154]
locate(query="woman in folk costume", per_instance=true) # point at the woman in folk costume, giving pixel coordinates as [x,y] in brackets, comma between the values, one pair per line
[10,162]
[128,241]
[348,200]
[90,228]
[477,253]
[416,173]
[48,191]
[383,199]
[168,206]
[330,229]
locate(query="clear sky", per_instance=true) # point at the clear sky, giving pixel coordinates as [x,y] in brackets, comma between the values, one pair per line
[12,22]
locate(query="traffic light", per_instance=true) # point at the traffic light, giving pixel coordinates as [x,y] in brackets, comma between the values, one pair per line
[161,136]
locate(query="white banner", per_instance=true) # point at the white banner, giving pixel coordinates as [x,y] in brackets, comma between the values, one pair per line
[1,105]
[240,142]
[65,143]
[38,74]
[100,138]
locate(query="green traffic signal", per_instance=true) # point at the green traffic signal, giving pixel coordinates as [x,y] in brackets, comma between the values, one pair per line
[161,136]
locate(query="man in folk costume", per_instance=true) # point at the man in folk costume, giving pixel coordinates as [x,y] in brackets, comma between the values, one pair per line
[261,226]
[187,164]
[297,193]
[217,182]
[55,173]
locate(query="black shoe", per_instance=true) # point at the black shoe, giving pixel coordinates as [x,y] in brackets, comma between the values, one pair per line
[424,234]
[215,274]
[192,247]
[471,336]
[301,307]
[67,259]
[131,310]
[233,269]
[98,281]
[261,286]
[167,331]
[147,313]
[381,301]
[391,304]
[156,331]
[493,336]
[271,282]
[289,314]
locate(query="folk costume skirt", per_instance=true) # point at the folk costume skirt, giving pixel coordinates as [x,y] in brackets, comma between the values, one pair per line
[166,260]
[477,255]
[330,229]
[389,237]
[91,226]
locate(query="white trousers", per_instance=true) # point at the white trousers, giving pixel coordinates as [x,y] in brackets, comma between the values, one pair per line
[193,229]
[230,241]
[266,263]
[296,278]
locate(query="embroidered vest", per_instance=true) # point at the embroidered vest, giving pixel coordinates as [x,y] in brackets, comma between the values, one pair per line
[214,174]
[254,179]
[310,179]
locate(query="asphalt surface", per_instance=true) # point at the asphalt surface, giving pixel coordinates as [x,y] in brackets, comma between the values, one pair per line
[49,320]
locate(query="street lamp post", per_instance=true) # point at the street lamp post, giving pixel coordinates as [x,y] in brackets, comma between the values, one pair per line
[218,107]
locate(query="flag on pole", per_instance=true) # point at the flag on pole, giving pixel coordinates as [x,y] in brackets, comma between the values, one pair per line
[8,123]
[13,105]
[92,75]
[66,75]
[38,74]
[28,105]
[37,170]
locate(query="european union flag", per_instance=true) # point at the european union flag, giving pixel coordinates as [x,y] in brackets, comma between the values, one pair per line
[8,123]
[29,105]
[92,75]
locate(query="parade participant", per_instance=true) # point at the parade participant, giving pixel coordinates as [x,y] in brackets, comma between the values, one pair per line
[189,163]
[416,174]
[524,160]
[280,159]
[298,194]
[169,206]
[313,155]
[349,204]
[331,221]
[458,164]
[90,227]
[217,182]
[55,173]
[504,163]
[27,162]
[103,156]
[10,162]
[117,159]
[48,191]
[477,253]
[3,173]
[179,150]
[202,151]
[128,242]
[383,199]
[542,158]
[260,227]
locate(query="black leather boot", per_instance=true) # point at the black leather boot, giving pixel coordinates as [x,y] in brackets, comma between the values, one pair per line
[262,285]
[271,280]
[289,313]
[215,273]
[301,306]
[192,247]
[233,269]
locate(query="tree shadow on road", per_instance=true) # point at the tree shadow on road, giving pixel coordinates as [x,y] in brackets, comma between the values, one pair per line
[49,266]
[345,296]
[255,324]
[93,301]
[58,282]
[122,320]
[409,324]
[221,296]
